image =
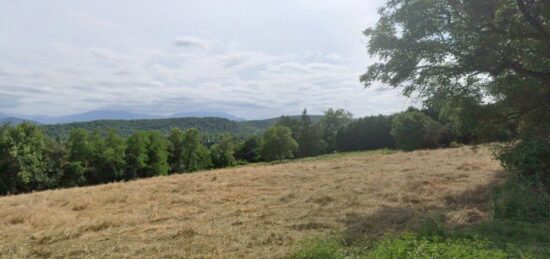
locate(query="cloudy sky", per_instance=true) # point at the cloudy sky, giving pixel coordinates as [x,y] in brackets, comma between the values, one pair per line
[250,58]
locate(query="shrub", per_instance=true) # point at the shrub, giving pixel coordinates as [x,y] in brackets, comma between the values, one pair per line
[529,158]
[409,246]
[517,200]
[318,248]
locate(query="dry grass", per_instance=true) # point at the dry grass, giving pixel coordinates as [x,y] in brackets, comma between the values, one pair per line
[251,211]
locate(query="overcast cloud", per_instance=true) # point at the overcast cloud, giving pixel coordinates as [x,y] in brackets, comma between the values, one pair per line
[250,58]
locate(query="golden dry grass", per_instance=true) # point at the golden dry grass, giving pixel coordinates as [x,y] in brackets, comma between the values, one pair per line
[252,211]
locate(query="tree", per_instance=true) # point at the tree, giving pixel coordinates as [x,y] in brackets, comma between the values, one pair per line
[176,150]
[331,122]
[157,155]
[22,165]
[249,150]
[136,155]
[415,130]
[278,144]
[366,133]
[113,156]
[310,139]
[195,155]
[498,49]
[223,152]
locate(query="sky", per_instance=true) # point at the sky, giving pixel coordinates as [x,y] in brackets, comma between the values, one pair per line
[251,58]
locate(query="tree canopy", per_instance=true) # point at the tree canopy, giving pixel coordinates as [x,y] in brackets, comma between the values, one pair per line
[278,144]
[496,49]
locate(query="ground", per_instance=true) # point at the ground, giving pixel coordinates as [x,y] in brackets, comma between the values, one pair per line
[254,211]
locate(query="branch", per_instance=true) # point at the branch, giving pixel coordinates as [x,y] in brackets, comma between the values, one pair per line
[532,20]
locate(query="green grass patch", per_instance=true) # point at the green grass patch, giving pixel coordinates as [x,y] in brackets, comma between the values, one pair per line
[412,246]
[318,248]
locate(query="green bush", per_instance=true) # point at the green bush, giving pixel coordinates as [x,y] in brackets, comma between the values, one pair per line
[318,248]
[529,158]
[415,130]
[409,246]
[517,200]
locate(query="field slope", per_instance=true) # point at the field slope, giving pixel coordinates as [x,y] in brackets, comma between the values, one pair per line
[252,211]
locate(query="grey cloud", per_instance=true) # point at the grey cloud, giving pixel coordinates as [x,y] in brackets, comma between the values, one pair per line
[191,42]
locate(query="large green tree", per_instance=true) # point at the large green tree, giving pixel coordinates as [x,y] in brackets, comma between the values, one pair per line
[332,121]
[495,52]
[22,161]
[223,153]
[496,49]
[136,155]
[278,144]
[195,155]
[176,150]
[415,130]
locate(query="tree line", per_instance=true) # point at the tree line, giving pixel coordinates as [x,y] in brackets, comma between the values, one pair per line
[31,160]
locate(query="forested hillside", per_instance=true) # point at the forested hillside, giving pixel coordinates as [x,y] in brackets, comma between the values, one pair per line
[206,125]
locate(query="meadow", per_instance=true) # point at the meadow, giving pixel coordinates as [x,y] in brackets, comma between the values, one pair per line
[262,210]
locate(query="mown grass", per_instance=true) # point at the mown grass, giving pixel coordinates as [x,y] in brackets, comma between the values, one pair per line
[254,211]
[496,239]
[508,234]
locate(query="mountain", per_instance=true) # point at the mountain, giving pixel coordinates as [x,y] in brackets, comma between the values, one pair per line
[209,125]
[94,115]
[206,115]
[119,115]
[14,121]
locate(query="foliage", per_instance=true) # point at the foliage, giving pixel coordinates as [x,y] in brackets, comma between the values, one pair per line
[307,134]
[464,52]
[365,134]
[176,149]
[212,127]
[195,155]
[309,137]
[528,158]
[249,150]
[223,153]
[278,144]
[22,164]
[318,248]
[517,199]
[498,48]
[157,155]
[409,246]
[414,130]
[136,155]
[332,121]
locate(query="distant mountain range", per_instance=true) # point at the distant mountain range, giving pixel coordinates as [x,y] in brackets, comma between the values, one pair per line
[127,122]
[14,121]
[210,125]
[108,115]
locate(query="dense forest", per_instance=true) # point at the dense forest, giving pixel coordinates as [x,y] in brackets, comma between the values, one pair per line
[36,157]
[210,125]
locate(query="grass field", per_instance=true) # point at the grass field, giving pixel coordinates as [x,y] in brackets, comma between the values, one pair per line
[255,211]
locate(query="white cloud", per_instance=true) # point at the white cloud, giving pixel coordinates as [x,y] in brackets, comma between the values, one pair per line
[115,66]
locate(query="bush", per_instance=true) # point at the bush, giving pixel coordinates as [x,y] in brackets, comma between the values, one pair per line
[409,246]
[529,159]
[517,200]
[319,248]
[415,130]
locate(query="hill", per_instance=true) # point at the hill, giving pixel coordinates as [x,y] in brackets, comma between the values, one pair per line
[104,114]
[14,121]
[210,125]
[253,211]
